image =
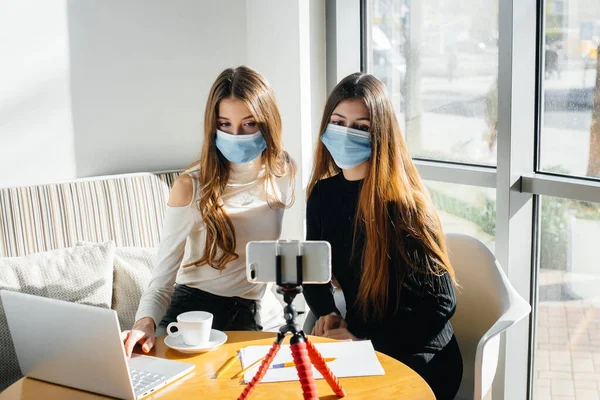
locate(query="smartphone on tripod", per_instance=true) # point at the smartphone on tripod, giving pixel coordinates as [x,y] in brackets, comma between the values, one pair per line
[261,261]
[290,264]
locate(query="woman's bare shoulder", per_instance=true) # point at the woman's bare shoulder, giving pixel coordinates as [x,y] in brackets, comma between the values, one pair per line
[182,191]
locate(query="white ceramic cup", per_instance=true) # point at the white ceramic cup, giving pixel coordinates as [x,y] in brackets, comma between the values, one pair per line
[193,326]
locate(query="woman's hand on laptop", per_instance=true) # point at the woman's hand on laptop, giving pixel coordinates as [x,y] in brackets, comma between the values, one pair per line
[142,332]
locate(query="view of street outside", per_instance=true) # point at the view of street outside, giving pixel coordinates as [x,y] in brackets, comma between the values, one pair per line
[439,61]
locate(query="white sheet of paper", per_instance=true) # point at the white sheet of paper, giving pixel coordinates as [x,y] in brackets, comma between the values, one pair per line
[351,359]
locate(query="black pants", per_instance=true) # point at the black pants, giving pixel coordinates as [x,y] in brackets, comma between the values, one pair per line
[229,313]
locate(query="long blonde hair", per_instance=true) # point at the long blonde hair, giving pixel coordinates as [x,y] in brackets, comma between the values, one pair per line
[252,88]
[394,209]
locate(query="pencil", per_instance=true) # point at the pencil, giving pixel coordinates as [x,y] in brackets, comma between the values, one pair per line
[242,372]
[293,364]
[226,366]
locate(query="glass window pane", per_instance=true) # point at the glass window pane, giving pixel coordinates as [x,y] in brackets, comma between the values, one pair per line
[570,134]
[567,352]
[439,60]
[466,209]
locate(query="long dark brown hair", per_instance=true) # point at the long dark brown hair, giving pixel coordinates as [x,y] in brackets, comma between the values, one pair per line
[394,208]
[252,88]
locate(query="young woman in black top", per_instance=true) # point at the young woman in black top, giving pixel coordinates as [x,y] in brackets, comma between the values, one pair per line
[366,198]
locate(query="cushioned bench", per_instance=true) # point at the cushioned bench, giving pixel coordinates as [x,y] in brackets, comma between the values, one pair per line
[90,241]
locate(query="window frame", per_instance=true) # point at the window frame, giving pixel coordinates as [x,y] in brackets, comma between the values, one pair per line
[516,177]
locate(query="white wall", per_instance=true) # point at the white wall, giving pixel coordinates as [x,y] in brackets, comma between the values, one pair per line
[101,87]
[36,133]
[141,71]
[96,87]
[286,43]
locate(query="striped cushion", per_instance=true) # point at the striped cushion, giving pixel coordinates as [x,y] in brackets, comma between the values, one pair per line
[127,209]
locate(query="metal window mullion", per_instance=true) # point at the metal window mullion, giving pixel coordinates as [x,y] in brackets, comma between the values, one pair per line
[514,213]
[561,186]
[456,173]
[366,52]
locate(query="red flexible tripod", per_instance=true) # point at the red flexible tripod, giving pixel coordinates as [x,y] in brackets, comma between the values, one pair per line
[304,352]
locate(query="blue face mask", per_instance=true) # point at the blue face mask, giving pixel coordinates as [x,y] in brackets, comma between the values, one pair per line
[240,149]
[348,146]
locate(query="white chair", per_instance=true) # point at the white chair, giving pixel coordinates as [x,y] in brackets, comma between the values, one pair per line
[486,305]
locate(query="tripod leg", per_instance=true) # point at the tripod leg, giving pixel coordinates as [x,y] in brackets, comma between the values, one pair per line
[304,368]
[317,360]
[262,370]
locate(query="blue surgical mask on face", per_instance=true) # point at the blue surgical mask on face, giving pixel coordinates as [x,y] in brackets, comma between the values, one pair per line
[348,146]
[240,149]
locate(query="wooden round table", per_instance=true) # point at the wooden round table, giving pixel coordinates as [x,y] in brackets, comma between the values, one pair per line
[399,381]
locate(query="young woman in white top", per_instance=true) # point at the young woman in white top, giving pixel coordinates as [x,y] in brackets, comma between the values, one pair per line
[235,193]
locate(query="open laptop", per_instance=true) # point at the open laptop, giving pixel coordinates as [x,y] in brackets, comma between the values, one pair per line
[80,346]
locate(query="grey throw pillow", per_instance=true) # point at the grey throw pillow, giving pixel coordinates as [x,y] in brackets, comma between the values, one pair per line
[133,270]
[81,274]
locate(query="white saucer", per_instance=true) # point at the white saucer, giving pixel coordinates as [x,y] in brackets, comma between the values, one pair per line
[217,338]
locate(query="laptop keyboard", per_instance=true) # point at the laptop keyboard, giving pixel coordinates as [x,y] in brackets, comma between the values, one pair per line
[143,380]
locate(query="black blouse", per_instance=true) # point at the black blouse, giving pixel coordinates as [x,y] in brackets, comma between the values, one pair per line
[413,332]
